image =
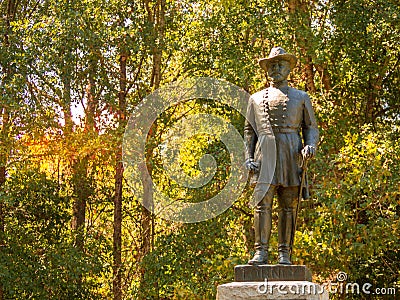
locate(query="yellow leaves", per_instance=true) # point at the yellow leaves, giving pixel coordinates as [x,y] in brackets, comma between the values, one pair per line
[366,158]
[395,226]
[323,245]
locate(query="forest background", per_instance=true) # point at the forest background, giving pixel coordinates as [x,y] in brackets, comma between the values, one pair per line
[73,71]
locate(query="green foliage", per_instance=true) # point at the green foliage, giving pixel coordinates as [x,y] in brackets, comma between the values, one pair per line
[185,265]
[363,58]
[193,149]
[55,55]
[356,217]
[38,258]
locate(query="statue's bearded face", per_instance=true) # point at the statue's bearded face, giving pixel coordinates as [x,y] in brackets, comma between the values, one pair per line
[278,70]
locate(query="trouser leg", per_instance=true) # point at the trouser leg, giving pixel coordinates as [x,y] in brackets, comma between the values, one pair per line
[262,228]
[287,200]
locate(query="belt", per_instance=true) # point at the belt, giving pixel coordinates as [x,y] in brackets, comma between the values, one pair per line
[278,130]
[285,130]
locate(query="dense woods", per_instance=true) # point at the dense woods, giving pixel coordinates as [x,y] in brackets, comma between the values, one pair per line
[72,72]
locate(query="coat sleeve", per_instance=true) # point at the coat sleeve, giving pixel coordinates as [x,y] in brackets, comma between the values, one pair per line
[250,135]
[309,124]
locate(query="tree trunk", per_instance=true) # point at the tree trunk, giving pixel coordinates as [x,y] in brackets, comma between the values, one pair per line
[5,117]
[146,220]
[300,19]
[301,22]
[81,193]
[119,170]
[78,167]
[3,163]
[90,112]
[157,18]
[325,77]
[117,240]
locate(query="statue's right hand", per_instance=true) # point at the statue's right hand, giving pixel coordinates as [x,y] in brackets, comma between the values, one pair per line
[251,165]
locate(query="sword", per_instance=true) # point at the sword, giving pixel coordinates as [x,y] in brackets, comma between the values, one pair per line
[302,186]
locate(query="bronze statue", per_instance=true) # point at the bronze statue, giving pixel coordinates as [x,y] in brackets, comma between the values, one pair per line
[288,113]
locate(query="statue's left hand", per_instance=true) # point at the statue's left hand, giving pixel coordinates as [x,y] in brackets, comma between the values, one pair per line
[308,152]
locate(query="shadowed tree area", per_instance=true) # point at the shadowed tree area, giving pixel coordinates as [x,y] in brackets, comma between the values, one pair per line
[72,72]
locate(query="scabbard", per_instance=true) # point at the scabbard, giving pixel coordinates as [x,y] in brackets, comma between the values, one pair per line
[303,190]
[306,190]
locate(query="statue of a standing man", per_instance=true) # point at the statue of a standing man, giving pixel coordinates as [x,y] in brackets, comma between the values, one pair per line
[286,113]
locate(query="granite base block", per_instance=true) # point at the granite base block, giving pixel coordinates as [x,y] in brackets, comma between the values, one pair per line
[289,290]
[248,273]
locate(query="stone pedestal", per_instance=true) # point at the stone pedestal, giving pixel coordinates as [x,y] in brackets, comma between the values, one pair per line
[272,282]
[292,290]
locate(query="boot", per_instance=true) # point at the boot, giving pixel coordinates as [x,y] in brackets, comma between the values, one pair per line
[261,255]
[284,255]
[285,227]
[262,228]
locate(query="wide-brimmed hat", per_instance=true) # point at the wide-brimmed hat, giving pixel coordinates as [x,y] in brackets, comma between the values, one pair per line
[277,53]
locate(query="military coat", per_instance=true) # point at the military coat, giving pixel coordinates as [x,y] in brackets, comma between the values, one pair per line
[278,123]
